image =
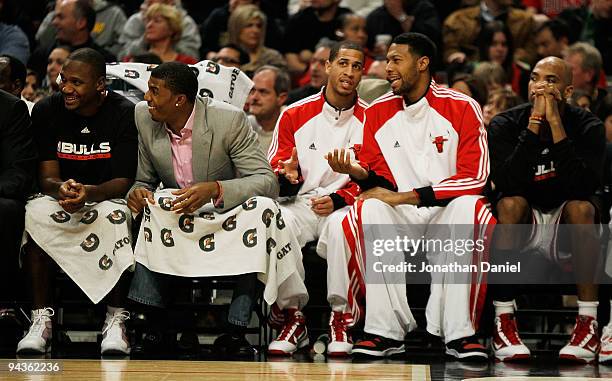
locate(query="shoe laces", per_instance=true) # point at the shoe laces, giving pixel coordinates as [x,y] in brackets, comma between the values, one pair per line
[115,319]
[583,331]
[295,320]
[338,326]
[508,327]
[39,320]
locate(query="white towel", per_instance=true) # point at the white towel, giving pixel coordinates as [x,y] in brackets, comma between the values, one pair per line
[252,237]
[227,84]
[92,246]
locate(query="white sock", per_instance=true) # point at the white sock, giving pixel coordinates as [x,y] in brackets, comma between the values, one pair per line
[341,307]
[112,310]
[588,308]
[504,307]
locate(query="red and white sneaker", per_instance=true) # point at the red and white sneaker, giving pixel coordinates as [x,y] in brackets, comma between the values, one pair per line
[605,351]
[340,343]
[293,336]
[276,317]
[507,344]
[584,343]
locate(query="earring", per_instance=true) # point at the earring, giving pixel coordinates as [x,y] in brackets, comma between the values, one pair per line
[176,105]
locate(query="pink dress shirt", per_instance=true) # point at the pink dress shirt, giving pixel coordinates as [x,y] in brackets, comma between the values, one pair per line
[182,158]
[182,153]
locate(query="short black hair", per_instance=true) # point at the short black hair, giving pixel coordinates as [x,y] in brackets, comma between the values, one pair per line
[557,27]
[333,53]
[84,9]
[91,57]
[179,78]
[244,56]
[419,44]
[344,18]
[18,69]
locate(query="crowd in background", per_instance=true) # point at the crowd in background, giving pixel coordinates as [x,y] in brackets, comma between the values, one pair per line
[486,48]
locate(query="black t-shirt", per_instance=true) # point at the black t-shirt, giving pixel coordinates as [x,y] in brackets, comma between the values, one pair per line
[91,150]
[546,174]
[304,30]
[426,21]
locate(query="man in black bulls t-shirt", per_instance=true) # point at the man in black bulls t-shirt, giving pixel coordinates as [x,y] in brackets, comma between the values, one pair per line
[87,145]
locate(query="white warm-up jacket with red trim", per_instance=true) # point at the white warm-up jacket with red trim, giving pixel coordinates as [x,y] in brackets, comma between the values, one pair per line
[436,146]
[316,128]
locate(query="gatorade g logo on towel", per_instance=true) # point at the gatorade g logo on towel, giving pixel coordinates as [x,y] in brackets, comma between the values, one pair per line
[147,214]
[116,217]
[148,236]
[280,223]
[165,203]
[166,237]
[89,217]
[212,67]
[105,262]
[206,93]
[229,224]
[186,223]
[210,216]
[249,238]
[249,204]
[270,244]
[266,217]
[207,243]
[91,243]
[131,74]
[60,217]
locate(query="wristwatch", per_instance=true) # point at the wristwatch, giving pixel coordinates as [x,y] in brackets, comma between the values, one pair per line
[403,17]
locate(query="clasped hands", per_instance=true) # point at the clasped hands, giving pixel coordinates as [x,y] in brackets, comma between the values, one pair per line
[72,196]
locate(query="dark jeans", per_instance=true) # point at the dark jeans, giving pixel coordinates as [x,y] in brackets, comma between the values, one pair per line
[155,289]
[12,215]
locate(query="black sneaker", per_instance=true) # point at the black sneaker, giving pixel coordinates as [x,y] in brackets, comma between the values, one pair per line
[234,346]
[378,346]
[467,349]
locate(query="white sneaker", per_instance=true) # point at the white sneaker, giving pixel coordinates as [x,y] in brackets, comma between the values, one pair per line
[584,342]
[605,351]
[114,339]
[506,342]
[38,338]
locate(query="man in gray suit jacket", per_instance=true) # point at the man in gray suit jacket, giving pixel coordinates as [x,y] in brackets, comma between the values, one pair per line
[197,145]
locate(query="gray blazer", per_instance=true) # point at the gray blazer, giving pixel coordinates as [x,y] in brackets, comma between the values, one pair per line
[224,145]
